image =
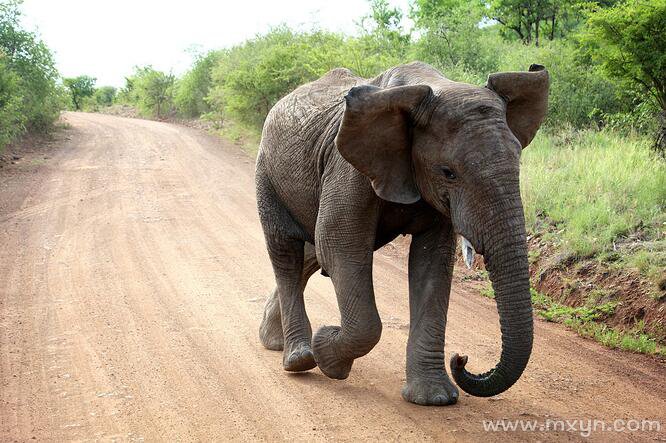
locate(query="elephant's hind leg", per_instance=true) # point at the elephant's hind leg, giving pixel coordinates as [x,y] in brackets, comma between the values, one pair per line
[270,331]
[284,240]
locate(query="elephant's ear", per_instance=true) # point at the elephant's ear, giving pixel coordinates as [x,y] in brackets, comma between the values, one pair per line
[375,137]
[526,94]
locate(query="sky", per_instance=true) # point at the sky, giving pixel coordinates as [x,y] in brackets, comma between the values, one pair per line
[106,39]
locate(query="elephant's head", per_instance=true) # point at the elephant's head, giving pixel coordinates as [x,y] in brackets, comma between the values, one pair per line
[458,147]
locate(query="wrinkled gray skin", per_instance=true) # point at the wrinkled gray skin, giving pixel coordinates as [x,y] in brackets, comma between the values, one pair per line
[347,164]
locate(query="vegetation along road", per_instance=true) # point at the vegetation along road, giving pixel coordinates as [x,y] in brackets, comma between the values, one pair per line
[133,280]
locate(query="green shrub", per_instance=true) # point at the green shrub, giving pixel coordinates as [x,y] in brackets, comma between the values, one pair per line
[150,90]
[30,98]
[12,120]
[250,78]
[451,39]
[105,95]
[580,95]
[628,41]
[193,88]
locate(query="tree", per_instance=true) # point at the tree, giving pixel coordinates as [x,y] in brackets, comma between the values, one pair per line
[532,20]
[629,42]
[450,32]
[79,88]
[153,90]
[382,29]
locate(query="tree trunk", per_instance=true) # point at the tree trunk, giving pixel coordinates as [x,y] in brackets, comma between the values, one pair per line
[660,142]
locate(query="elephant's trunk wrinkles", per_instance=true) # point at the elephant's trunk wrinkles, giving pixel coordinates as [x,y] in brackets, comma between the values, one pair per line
[505,256]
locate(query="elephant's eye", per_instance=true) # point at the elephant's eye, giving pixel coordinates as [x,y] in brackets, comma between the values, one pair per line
[448,173]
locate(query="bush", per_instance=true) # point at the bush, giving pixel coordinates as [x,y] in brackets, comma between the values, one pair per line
[452,40]
[105,96]
[30,98]
[250,78]
[628,41]
[149,90]
[580,95]
[193,88]
[12,120]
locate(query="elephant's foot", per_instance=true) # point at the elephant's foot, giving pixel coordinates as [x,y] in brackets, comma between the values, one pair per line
[298,357]
[429,392]
[270,331]
[325,353]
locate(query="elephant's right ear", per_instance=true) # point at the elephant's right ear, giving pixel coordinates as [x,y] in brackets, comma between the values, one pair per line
[375,137]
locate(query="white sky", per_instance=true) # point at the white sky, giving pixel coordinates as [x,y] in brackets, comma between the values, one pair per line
[106,39]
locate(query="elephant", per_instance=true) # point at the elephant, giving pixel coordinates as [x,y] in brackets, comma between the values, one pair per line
[346,164]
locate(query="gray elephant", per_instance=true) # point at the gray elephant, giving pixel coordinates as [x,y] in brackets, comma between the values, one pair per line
[346,164]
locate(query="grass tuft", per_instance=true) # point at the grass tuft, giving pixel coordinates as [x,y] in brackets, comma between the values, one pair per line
[587,322]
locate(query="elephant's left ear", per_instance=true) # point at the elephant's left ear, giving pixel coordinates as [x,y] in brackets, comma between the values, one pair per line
[526,94]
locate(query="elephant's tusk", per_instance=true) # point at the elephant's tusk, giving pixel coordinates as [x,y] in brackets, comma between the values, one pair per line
[468,252]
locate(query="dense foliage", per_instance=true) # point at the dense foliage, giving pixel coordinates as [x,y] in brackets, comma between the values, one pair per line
[30,98]
[629,42]
[194,87]
[466,40]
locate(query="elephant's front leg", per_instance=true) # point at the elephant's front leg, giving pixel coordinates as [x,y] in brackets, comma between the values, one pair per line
[431,258]
[336,347]
[344,240]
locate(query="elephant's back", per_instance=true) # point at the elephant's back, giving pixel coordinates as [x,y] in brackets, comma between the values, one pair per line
[298,140]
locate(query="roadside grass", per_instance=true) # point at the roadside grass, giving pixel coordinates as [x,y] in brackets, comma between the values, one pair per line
[245,136]
[587,321]
[598,194]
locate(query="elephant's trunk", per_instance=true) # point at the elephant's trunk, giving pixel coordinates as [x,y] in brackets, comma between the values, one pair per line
[505,255]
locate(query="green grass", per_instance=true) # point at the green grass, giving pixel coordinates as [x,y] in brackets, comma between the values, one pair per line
[555,312]
[247,137]
[587,322]
[592,192]
[634,340]
[488,292]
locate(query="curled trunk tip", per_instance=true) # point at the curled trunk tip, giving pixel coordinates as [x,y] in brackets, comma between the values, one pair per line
[458,362]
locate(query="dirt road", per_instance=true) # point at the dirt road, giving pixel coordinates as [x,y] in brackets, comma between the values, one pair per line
[132,281]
